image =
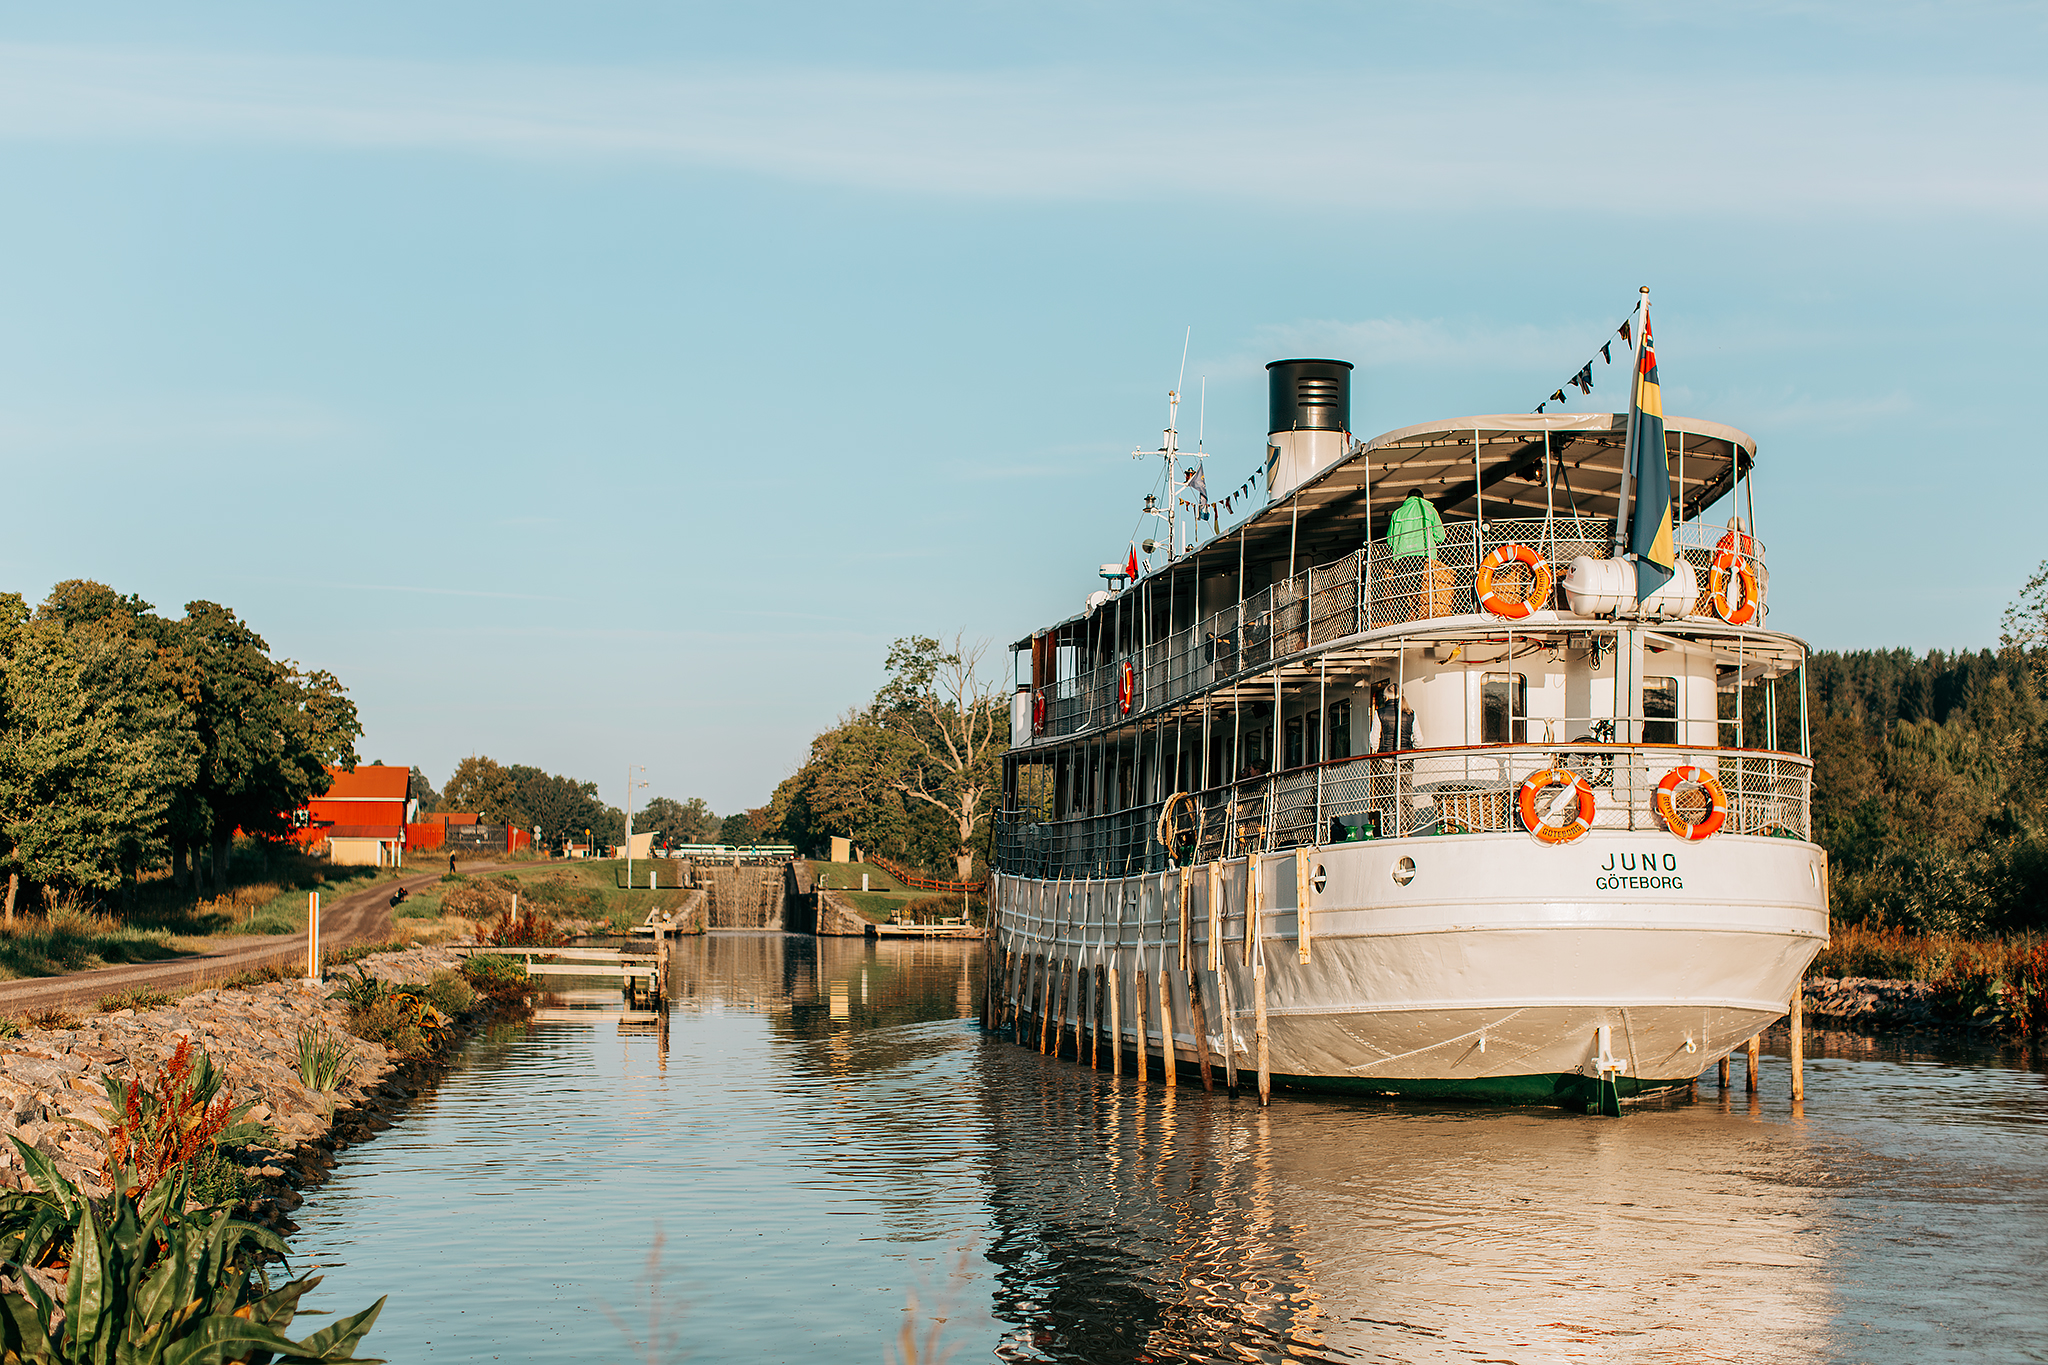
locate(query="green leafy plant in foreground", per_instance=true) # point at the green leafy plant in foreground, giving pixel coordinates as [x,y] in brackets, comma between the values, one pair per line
[146,1283]
[403,1019]
[323,1058]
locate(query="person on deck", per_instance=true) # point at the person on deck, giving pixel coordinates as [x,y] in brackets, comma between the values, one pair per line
[1413,534]
[1415,530]
[1393,723]
[1394,728]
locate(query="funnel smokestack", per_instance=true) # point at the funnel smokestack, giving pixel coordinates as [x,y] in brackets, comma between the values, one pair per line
[1309,419]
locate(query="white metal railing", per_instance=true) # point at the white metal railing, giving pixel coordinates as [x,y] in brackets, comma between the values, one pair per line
[1412,792]
[1366,589]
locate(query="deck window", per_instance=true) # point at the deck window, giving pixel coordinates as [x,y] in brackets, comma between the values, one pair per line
[1504,708]
[1340,729]
[1660,710]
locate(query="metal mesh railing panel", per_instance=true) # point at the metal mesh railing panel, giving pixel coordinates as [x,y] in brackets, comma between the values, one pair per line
[1366,589]
[1440,791]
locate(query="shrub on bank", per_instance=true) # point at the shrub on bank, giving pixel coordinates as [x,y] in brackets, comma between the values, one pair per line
[500,980]
[1997,983]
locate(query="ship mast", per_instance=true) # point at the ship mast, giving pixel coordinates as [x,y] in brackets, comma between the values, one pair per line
[1169,451]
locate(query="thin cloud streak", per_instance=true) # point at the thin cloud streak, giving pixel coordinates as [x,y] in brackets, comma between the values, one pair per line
[1733,148]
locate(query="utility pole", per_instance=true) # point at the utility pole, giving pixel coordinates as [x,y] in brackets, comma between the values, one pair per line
[631,768]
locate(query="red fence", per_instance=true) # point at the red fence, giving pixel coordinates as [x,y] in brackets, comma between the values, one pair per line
[922,883]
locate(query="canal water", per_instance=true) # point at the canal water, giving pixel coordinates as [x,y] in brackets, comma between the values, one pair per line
[821,1148]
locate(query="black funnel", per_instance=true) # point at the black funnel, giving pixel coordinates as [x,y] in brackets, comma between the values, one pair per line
[1309,395]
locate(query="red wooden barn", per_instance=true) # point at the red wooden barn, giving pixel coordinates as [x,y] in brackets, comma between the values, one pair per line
[362,818]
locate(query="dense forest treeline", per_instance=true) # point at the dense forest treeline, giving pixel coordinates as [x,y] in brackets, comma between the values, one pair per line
[129,740]
[1931,787]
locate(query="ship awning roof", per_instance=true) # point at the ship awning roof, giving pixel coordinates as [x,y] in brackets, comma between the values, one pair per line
[1464,465]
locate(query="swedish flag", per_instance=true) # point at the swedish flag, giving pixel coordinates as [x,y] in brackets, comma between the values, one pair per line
[1649,534]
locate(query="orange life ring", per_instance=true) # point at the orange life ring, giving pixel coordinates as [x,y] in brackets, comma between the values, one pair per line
[1572,829]
[1539,590]
[1729,566]
[1038,712]
[1126,685]
[1717,803]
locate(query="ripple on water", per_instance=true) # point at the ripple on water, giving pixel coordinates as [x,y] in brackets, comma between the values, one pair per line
[808,1175]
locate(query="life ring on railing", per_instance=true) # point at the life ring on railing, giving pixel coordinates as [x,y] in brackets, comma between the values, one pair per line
[1667,803]
[1126,686]
[1539,588]
[1732,567]
[1172,831]
[1544,832]
[1038,712]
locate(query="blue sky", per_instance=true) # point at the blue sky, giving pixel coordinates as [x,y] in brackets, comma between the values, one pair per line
[606,383]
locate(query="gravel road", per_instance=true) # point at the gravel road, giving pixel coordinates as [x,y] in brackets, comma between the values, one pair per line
[360,917]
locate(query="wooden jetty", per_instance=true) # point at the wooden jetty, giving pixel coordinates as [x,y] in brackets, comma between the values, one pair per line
[643,977]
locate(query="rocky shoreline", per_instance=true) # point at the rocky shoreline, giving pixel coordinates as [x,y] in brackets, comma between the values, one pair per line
[1866,1004]
[52,1087]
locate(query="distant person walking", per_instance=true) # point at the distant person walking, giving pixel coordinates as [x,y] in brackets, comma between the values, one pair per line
[451,862]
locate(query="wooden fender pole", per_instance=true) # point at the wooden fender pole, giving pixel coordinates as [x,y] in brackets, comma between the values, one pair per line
[1215,916]
[1187,896]
[1755,1052]
[1259,1030]
[1168,1058]
[1798,1023]
[1199,1014]
[1225,1001]
[1138,1021]
[1070,1006]
[1724,1073]
[1045,1005]
[1304,890]
[1116,1026]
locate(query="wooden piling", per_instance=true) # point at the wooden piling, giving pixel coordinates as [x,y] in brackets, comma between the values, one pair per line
[1168,1058]
[1044,1002]
[1798,1025]
[1102,1033]
[1068,985]
[1138,1022]
[1199,1014]
[1116,1028]
[1724,1073]
[1215,916]
[1259,1031]
[1224,1001]
[1755,1054]
[1304,892]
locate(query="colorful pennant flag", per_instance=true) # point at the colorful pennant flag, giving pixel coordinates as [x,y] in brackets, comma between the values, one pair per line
[1649,471]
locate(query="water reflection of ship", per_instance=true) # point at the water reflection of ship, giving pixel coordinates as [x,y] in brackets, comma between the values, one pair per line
[1134,1223]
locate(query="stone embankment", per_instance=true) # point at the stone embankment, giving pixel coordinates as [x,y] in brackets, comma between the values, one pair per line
[1865,1004]
[53,1091]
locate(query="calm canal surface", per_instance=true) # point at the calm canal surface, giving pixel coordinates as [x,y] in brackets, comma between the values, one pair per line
[823,1133]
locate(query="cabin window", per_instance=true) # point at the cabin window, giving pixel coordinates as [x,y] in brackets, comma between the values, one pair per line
[1340,729]
[1503,708]
[1660,710]
[1304,739]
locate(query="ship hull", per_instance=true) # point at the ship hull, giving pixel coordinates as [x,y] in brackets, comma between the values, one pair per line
[1499,970]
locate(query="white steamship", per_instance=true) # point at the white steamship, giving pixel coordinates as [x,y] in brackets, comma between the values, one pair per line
[1409,794]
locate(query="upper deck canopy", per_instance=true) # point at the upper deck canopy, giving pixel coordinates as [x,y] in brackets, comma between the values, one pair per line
[1466,466]
[1506,477]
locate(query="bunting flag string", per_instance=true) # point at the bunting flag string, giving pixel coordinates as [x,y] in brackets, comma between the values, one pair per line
[1583,380]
